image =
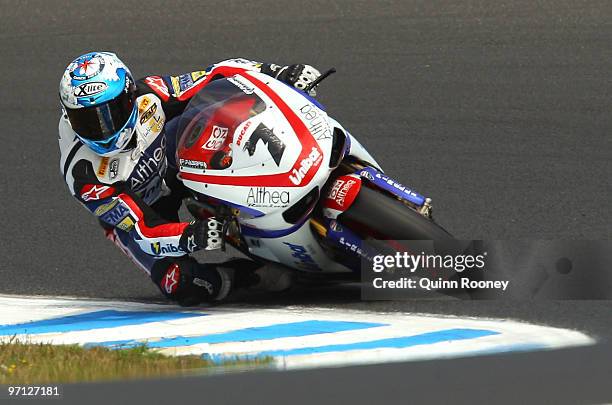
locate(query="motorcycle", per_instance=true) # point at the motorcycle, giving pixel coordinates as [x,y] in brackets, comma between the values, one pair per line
[290,184]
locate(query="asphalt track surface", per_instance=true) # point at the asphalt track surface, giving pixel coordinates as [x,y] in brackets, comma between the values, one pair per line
[499,111]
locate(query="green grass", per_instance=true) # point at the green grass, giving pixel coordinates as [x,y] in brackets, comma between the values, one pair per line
[31,363]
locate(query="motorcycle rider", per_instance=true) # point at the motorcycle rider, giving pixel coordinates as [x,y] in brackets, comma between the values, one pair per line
[117,157]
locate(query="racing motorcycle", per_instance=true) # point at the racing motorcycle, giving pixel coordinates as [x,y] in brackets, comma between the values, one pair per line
[290,184]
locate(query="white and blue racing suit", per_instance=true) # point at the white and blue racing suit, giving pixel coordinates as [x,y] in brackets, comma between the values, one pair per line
[136,195]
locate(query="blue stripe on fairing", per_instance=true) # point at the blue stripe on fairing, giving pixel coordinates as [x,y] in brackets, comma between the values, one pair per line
[283,330]
[306,96]
[272,234]
[93,320]
[382,180]
[390,343]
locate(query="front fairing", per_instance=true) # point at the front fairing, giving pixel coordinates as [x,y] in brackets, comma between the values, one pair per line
[246,141]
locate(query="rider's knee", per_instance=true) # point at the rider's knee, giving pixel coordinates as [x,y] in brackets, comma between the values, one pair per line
[188,282]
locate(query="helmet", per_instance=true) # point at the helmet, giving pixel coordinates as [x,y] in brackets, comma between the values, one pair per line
[97,93]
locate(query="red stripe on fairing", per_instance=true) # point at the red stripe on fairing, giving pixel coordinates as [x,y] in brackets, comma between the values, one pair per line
[160,231]
[271,180]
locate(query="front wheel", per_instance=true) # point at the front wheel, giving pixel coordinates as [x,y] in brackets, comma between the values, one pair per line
[384,217]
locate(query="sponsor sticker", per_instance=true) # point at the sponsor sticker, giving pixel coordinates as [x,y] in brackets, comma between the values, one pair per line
[102,167]
[126,225]
[241,84]
[158,249]
[200,282]
[175,85]
[150,165]
[197,75]
[105,207]
[275,146]
[144,103]
[264,197]
[312,160]
[342,193]
[116,214]
[340,189]
[185,82]
[243,132]
[335,226]
[148,114]
[192,164]
[171,279]
[366,174]
[304,259]
[317,124]
[159,86]
[396,185]
[114,168]
[92,192]
[90,89]
[217,137]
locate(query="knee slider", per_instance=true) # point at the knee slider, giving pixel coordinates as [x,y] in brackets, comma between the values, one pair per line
[185,280]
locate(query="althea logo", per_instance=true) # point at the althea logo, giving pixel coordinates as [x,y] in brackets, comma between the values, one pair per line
[313,159]
[262,197]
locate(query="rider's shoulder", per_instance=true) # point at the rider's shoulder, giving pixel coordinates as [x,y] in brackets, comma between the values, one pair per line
[153,85]
[77,161]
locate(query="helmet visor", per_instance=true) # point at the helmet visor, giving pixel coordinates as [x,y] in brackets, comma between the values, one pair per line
[101,122]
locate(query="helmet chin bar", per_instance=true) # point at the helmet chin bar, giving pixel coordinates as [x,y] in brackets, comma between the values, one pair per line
[121,141]
[128,144]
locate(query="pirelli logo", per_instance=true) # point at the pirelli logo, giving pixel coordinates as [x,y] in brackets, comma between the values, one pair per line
[103,166]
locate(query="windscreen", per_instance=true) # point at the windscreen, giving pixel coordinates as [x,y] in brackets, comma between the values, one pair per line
[210,119]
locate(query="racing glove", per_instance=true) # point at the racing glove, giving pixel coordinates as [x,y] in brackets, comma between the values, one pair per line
[298,76]
[202,234]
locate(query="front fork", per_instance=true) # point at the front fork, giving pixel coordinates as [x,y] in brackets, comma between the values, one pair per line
[334,233]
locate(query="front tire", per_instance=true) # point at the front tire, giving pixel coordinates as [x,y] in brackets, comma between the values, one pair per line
[388,218]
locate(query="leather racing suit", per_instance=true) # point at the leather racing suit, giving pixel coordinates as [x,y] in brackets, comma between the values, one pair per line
[136,196]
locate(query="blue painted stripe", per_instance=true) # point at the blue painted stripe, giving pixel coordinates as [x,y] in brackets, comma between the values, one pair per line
[306,95]
[94,320]
[390,343]
[284,330]
[271,234]
[387,183]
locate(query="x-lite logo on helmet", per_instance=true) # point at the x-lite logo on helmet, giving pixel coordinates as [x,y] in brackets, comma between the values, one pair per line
[90,89]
